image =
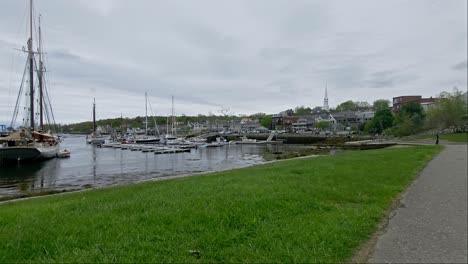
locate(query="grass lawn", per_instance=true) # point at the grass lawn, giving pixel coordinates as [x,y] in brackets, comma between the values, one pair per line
[305,210]
[457,137]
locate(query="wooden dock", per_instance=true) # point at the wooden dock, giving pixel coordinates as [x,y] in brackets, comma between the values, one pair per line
[149,148]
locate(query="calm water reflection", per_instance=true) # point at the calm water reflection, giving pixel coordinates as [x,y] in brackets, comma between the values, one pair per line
[96,167]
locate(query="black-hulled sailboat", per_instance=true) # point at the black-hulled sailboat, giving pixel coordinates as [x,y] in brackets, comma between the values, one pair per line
[148,139]
[95,137]
[31,142]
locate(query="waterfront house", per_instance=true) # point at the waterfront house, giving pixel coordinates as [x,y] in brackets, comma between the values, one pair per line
[277,121]
[364,115]
[246,120]
[325,117]
[304,123]
[288,122]
[347,118]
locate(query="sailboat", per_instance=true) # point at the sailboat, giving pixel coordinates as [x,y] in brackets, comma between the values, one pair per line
[147,139]
[95,137]
[30,142]
[170,137]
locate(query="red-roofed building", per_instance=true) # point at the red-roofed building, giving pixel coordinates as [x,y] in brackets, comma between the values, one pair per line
[401,100]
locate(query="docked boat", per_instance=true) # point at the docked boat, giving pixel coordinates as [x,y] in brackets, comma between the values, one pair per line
[63,154]
[138,136]
[170,136]
[247,141]
[30,142]
[95,138]
[148,139]
[197,140]
[220,141]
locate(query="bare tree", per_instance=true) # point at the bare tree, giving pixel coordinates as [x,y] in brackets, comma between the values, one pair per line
[225,111]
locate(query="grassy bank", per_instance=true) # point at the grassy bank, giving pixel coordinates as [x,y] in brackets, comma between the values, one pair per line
[456,137]
[306,210]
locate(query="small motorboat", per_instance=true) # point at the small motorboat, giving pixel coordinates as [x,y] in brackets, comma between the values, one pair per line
[63,154]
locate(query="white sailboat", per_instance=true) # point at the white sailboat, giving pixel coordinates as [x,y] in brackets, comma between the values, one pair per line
[147,139]
[30,142]
[170,137]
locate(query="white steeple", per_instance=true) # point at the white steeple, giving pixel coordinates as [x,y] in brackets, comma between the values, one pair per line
[325,101]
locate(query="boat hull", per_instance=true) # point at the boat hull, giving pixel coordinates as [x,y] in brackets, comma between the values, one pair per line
[96,141]
[148,141]
[28,153]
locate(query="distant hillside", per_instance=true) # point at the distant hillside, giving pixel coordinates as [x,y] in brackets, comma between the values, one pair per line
[139,122]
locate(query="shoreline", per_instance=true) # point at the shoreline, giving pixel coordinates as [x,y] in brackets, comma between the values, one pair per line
[162,178]
[252,214]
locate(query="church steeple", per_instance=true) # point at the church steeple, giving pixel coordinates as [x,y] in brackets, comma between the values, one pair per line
[325,101]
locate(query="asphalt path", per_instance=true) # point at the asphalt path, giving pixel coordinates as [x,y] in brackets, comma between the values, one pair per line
[430,225]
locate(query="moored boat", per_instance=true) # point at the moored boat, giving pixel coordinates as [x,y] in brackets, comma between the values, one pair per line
[30,142]
[63,154]
[95,138]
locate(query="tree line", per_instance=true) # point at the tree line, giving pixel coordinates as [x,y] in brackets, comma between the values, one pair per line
[450,112]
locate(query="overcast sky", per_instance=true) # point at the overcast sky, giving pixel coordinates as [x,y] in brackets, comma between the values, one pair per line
[251,56]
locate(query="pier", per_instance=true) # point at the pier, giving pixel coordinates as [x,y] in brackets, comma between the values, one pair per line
[148,148]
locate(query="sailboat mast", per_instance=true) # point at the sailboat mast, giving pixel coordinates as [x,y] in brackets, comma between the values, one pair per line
[167,126]
[146,113]
[40,77]
[175,119]
[172,113]
[94,115]
[31,65]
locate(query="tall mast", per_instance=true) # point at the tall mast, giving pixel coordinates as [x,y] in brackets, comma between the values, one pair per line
[31,65]
[146,113]
[172,113]
[94,116]
[40,77]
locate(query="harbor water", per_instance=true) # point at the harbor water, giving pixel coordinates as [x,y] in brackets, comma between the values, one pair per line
[91,167]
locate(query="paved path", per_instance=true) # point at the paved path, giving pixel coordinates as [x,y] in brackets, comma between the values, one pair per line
[430,226]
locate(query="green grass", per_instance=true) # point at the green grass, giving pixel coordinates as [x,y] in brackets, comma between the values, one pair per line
[457,137]
[306,210]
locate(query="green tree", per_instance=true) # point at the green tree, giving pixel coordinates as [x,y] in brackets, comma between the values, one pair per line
[353,106]
[266,121]
[258,115]
[449,112]
[347,106]
[322,124]
[302,110]
[363,105]
[409,120]
[380,104]
[317,109]
[382,120]
[412,109]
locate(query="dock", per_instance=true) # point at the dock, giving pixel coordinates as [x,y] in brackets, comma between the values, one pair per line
[149,148]
[269,140]
[368,144]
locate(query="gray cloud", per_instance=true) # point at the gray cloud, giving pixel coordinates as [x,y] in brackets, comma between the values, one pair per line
[249,55]
[460,66]
[389,79]
[65,55]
